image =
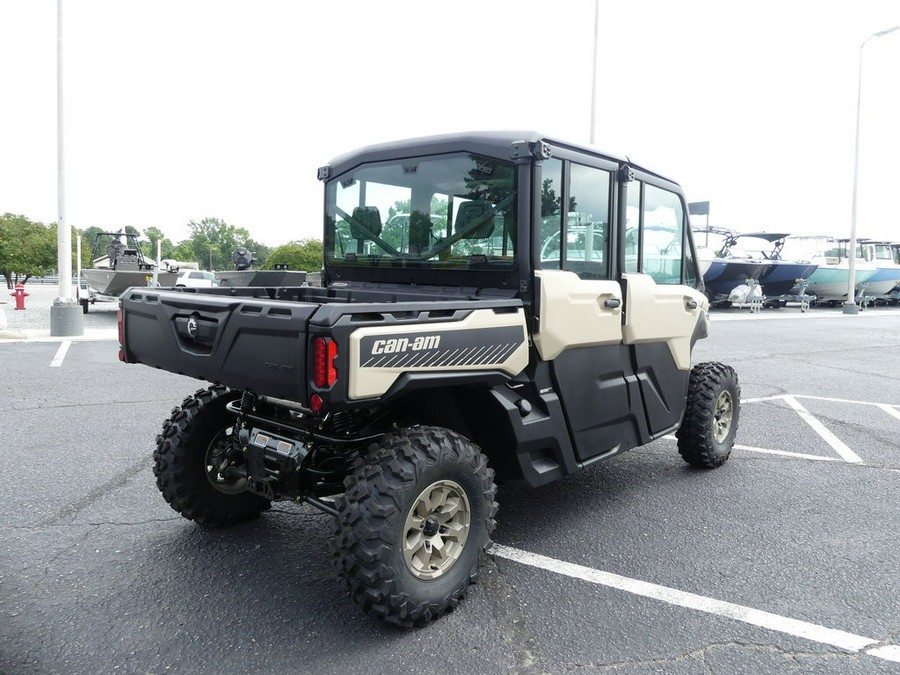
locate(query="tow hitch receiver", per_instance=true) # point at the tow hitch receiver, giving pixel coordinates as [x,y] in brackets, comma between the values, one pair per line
[274,464]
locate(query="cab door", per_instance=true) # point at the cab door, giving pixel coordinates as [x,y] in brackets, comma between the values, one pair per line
[665,312]
[579,307]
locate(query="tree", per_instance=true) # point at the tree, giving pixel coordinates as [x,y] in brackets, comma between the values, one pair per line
[212,242]
[154,234]
[304,255]
[182,252]
[27,248]
[88,235]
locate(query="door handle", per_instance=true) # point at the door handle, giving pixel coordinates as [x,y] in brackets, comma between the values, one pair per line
[691,304]
[612,303]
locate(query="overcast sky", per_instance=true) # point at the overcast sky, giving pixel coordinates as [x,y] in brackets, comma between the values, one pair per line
[177,110]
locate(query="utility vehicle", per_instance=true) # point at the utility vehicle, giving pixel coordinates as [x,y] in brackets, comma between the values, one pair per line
[519,325]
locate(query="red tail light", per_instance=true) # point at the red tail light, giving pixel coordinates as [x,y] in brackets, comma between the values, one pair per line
[324,353]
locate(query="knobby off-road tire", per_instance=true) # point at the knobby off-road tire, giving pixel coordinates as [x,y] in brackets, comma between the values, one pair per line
[710,422]
[194,432]
[417,512]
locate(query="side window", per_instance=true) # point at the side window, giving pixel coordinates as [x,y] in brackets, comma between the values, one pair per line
[633,226]
[587,222]
[551,213]
[662,241]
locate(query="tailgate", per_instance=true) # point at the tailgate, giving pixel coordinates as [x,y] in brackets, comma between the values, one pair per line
[242,342]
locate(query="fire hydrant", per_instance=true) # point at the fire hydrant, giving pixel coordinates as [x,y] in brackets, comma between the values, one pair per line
[19,294]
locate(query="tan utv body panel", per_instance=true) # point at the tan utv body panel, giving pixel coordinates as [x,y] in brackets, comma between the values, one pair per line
[574,313]
[399,350]
[661,313]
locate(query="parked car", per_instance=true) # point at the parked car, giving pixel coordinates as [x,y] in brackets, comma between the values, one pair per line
[196,278]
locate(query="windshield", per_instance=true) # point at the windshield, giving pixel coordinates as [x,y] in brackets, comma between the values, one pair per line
[455,211]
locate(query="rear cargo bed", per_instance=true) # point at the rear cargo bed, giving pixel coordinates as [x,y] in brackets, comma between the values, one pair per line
[239,341]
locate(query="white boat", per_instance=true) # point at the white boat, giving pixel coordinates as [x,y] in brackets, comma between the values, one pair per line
[831,280]
[887,269]
[725,277]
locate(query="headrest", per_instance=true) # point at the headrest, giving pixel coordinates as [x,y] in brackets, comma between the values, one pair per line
[468,213]
[365,223]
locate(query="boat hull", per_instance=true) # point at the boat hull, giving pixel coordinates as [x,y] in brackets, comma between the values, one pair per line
[783,276]
[830,284]
[724,275]
[116,282]
[261,278]
[883,282]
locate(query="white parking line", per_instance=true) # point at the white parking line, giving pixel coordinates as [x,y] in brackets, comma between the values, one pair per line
[836,443]
[768,451]
[782,624]
[60,354]
[890,410]
[786,453]
[846,454]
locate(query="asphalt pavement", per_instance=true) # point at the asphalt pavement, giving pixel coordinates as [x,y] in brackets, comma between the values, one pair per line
[784,560]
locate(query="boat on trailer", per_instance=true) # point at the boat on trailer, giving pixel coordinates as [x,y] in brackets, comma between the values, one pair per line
[783,275]
[830,282]
[723,274]
[118,263]
[881,285]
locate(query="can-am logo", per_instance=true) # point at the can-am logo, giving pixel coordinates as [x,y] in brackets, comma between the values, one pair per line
[400,345]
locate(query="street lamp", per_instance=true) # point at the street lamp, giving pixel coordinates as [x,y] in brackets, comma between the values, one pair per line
[850,305]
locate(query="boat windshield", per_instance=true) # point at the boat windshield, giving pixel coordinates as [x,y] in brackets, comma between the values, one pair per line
[453,211]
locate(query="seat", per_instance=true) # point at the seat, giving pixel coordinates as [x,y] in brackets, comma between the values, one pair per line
[475,220]
[365,223]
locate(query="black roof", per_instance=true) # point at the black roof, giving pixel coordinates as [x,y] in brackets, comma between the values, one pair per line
[491,143]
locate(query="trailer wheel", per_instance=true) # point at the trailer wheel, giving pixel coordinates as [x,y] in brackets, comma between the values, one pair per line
[189,449]
[84,306]
[707,432]
[417,512]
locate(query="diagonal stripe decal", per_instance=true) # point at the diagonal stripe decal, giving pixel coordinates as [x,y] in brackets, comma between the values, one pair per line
[479,347]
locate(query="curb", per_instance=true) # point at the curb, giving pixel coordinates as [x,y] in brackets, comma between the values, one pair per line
[12,335]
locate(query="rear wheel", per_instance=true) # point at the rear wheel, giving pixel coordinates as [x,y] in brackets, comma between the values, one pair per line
[190,457]
[707,432]
[417,513]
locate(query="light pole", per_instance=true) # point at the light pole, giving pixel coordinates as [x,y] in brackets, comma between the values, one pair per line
[65,314]
[850,305]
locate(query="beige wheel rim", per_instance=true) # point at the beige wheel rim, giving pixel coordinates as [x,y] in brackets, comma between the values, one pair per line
[724,410]
[436,529]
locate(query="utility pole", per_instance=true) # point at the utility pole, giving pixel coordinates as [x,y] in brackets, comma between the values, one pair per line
[850,305]
[66,315]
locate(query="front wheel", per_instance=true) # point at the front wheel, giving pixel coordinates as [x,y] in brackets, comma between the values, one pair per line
[417,513]
[191,451]
[707,432]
